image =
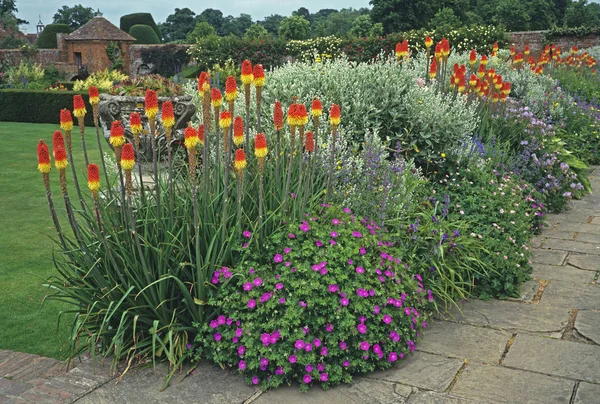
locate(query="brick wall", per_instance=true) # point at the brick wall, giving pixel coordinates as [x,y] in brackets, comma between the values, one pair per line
[535,39]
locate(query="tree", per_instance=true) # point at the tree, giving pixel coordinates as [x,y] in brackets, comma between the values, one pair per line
[257,31]
[9,9]
[74,16]
[542,13]
[201,30]
[271,23]
[402,15]
[580,13]
[236,25]
[213,17]
[178,25]
[362,26]
[144,35]
[445,20]
[513,14]
[294,27]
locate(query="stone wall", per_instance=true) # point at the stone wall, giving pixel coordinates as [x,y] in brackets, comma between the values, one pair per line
[535,39]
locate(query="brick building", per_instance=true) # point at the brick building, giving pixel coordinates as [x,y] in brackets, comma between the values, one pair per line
[87,46]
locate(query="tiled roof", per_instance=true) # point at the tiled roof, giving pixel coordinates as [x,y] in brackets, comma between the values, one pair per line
[99,28]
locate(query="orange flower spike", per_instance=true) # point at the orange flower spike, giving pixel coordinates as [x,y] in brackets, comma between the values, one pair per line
[512,51]
[438,51]
[428,42]
[398,50]
[502,97]
[292,118]
[93,178]
[231,91]
[151,104]
[461,85]
[259,76]
[574,49]
[202,79]
[405,48]
[240,162]
[94,95]
[238,131]
[135,122]
[278,116]
[225,120]
[168,116]
[260,146]
[191,137]
[247,75]
[60,154]
[78,106]
[495,98]
[66,120]
[484,60]
[473,80]
[498,82]
[216,98]
[527,50]
[506,88]
[334,115]
[316,109]
[495,47]
[433,69]
[445,48]
[472,58]
[127,157]
[201,134]
[117,134]
[44,165]
[309,143]
[302,115]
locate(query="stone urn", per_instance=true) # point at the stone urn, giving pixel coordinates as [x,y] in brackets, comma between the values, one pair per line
[117,107]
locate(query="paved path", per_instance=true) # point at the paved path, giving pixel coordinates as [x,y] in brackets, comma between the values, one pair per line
[541,348]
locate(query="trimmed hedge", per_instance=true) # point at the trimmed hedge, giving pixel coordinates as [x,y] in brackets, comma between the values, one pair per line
[47,38]
[144,35]
[39,106]
[129,20]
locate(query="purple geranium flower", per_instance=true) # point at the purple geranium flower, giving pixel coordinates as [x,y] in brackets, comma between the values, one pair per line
[365,345]
[309,368]
[217,336]
[304,226]
[251,303]
[344,301]
[324,351]
[241,350]
[242,365]
[346,363]
[247,234]
[257,282]
[333,288]
[299,344]
[361,328]
[360,270]
[356,234]
[343,346]
[392,357]
[254,379]
[278,258]
[324,377]
[307,379]
[279,286]
[292,358]
[319,243]
[308,347]
[387,319]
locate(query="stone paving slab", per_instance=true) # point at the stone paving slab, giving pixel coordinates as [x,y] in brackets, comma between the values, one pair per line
[565,294]
[579,217]
[553,233]
[588,238]
[587,324]
[584,261]
[207,385]
[587,394]
[572,246]
[430,397]
[465,341]
[595,220]
[512,316]
[362,390]
[527,291]
[483,383]
[555,357]
[422,370]
[562,273]
[578,227]
[541,256]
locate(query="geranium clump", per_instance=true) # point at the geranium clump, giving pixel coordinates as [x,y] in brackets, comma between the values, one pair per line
[352,307]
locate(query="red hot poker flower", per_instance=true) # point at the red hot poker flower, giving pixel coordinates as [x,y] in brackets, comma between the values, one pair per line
[309,143]
[334,115]
[202,80]
[259,76]
[316,109]
[428,42]
[44,165]
[238,131]
[151,104]
[231,91]
[201,134]
[60,155]
[216,97]
[135,122]
[93,177]
[66,120]
[278,116]
[117,134]
[302,115]
[168,116]
[78,106]
[433,69]
[191,138]
[260,146]
[94,95]
[127,157]
[472,57]
[240,160]
[247,76]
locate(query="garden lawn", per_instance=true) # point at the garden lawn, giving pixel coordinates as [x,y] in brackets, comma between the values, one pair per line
[26,238]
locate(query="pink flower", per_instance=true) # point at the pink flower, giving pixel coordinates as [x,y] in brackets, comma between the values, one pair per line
[392,357]
[321,367]
[221,320]
[361,328]
[333,288]
[257,282]
[376,309]
[255,380]
[335,222]
[324,377]
[279,371]
[287,250]
[278,258]
[332,242]
[308,368]
[343,346]
[304,226]
[360,270]
[214,324]
[364,346]
[291,235]
[239,332]
[362,293]
[324,351]
[329,327]
[302,303]
[317,343]
[299,344]
[344,301]
[308,347]
[387,319]
[251,303]
[264,362]
[282,300]
[347,210]
[333,234]
[362,250]
[292,358]
[346,363]
[242,365]
[217,336]
[265,297]
[357,234]
[247,234]
[279,286]
[319,243]
[307,379]
[241,350]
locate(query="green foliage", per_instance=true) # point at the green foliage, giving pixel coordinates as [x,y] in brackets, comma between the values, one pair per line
[294,27]
[257,31]
[445,20]
[129,20]
[114,52]
[166,60]
[362,26]
[137,86]
[581,13]
[144,34]
[402,15]
[351,308]
[201,30]
[178,25]
[102,80]
[25,105]
[74,17]
[47,38]
[25,75]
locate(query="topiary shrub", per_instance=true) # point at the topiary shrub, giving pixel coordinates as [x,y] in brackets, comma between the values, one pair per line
[129,20]
[334,299]
[144,35]
[47,38]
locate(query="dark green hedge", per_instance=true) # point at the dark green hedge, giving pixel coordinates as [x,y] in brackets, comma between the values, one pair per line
[129,20]
[39,106]
[47,38]
[144,35]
